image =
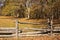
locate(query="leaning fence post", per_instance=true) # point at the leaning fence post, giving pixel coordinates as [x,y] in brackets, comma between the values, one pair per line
[50,26]
[17,28]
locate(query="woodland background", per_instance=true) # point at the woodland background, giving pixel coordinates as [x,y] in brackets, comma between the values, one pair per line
[35,9]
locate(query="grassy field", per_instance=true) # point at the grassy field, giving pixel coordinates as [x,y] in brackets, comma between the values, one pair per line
[6,21]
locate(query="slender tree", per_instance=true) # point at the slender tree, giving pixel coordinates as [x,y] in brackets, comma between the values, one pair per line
[28,4]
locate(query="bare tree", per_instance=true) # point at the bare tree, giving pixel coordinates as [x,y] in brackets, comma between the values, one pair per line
[28,4]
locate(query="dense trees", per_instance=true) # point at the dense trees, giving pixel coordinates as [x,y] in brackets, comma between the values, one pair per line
[31,8]
[56,10]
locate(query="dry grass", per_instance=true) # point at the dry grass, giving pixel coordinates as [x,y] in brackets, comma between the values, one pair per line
[46,37]
[9,21]
[41,38]
[6,21]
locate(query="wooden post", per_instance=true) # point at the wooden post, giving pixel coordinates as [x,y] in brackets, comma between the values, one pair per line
[17,28]
[52,25]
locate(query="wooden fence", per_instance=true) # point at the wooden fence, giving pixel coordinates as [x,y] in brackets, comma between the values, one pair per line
[12,32]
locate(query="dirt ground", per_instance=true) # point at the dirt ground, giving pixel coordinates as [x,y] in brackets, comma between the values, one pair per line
[46,37]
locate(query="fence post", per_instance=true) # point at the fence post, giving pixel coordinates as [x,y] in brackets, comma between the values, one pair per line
[51,27]
[17,28]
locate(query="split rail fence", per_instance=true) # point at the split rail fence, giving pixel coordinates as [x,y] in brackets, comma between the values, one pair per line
[12,32]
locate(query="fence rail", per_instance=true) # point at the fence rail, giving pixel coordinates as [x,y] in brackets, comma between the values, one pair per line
[36,33]
[19,32]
